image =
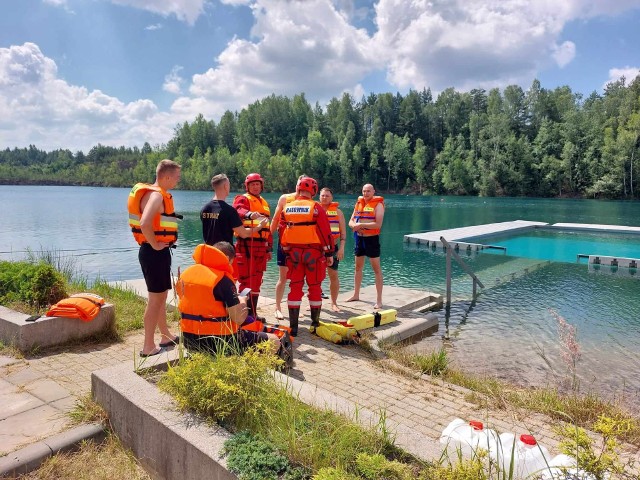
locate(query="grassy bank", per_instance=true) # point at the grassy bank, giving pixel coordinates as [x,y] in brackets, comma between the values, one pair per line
[583,410]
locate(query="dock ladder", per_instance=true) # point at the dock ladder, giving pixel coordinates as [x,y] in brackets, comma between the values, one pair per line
[452,253]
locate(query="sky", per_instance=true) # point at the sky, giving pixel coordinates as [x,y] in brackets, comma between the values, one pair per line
[75,73]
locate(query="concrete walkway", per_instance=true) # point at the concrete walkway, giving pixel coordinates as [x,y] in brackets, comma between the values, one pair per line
[40,390]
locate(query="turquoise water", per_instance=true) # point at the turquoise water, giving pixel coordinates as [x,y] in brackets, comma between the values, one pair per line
[563,245]
[508,332]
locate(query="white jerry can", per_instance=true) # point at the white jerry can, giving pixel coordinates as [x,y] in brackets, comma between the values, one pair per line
[468,436]
[529,457]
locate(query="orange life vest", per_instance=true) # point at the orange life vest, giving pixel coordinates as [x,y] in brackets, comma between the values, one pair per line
[165,225]
[200,312]
[334,221]
[84,306]
[260,205]
[366,213]
[301,226]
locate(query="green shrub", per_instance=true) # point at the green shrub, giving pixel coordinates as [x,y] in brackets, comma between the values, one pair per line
[378,467]
[36,285]
[224,389]
[603,460]
[252,458]
[333,473]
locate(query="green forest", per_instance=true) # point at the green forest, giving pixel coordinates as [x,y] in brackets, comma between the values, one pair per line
[511,142]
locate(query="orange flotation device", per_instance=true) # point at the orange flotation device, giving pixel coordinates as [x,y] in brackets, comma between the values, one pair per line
[84,306]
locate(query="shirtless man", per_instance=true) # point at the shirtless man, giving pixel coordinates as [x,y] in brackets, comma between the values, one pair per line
[366,223]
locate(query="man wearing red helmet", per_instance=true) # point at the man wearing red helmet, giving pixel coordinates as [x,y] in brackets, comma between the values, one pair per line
[308,244]
[253,253]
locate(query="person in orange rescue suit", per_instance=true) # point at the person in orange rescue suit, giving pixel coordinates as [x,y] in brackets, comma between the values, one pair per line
[366,222]
[277,223]
[211,313]
[253,253]
[339,234]
[307,242]
[154,224]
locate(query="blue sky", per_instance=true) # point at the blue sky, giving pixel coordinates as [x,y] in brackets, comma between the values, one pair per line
[74,73]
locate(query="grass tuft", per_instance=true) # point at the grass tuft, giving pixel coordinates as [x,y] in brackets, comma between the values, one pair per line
[108,460]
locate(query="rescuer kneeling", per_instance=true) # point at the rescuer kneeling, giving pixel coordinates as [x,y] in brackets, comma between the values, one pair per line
[211,313]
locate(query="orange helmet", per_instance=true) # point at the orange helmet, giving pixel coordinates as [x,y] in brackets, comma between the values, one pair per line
[307,184]
[253,177]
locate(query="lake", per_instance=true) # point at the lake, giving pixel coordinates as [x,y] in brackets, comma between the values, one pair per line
[509,332]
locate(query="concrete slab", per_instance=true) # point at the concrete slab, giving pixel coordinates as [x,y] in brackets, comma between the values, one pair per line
[399,298]
[13,401]
[50,331]
[22,374]
[5,361]
[46,390]
[30,426]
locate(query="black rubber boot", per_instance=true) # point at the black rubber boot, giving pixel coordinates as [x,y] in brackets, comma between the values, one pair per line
[315,318]
[294,313]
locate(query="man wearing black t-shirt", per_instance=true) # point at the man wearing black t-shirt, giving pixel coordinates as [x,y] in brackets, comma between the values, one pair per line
[219,219]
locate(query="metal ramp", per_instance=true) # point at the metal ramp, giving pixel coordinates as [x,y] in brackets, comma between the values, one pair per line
[495,276]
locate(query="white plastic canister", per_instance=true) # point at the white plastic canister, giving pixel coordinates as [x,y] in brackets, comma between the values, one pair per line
[529,457]
[468,437]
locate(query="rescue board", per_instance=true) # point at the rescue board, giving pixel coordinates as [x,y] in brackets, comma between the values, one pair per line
[370,320]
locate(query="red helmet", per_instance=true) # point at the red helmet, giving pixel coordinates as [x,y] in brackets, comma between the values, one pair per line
[253,177]
[307,184]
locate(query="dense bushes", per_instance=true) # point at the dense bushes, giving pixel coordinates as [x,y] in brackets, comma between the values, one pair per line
[35,285]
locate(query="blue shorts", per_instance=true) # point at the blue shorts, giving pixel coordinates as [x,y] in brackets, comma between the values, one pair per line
[281,257]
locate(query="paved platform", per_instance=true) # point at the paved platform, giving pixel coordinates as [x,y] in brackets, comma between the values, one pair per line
[38,391]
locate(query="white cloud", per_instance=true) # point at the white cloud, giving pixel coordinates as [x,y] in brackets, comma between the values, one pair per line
[185,10]
[173,81]
[57,3]
[298,46]
[155,26]
[38,107]
[478,43]
[236,3]
[615,74]
[564,54]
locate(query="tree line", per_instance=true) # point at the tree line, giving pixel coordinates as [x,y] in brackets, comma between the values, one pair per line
[510,142]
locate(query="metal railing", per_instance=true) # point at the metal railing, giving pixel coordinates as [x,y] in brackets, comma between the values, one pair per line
[452,253]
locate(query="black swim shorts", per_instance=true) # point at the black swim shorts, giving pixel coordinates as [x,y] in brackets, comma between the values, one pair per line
[367,246]
[336,262]
[156,268]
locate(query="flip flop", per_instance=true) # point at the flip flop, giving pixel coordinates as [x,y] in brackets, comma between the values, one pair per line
[170,343]
[279,315]
[156,352]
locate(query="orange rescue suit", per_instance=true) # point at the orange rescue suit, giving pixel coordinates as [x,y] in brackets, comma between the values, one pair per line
[365,212]
[201,313]
[165,225]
